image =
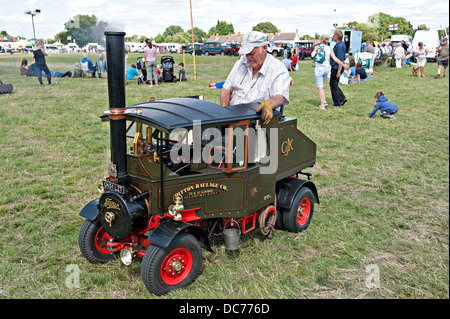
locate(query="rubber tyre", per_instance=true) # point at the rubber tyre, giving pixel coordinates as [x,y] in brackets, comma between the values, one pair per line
[92,241]
[206,53]
[279,223]
[154,264]
[298,217]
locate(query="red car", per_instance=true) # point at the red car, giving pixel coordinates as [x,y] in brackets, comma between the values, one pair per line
[232,50]
[305,49]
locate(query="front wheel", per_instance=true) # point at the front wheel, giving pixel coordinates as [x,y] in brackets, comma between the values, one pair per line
[173,267]
[298,217]
[92,241]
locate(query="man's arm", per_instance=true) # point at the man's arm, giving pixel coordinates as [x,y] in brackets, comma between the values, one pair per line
[277,100]
[225,97]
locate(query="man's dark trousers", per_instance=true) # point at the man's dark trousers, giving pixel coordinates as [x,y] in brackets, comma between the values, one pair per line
[336,92]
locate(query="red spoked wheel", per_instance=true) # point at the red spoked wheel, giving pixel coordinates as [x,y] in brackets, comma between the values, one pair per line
[101,240]
[92,240]
[298,217]
[303,211]
[176,266]
[164,269]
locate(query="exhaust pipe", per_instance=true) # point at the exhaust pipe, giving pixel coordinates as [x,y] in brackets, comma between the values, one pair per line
[115,56]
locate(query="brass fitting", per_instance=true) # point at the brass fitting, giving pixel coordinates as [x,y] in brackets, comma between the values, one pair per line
[175,210]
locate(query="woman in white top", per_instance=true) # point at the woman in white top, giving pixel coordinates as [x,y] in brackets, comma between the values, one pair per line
[322,69]
[150,62]
[421,55]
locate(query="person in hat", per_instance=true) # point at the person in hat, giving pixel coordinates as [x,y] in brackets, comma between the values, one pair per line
[443,58]
[257,77]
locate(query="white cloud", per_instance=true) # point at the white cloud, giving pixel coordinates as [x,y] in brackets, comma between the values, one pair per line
[150,17]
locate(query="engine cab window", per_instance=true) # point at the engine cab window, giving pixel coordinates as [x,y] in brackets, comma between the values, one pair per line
[228,148]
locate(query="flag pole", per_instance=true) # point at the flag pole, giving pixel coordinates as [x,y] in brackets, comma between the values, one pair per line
[193,43]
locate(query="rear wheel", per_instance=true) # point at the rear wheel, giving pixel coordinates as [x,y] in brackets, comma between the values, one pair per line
[279,222]
[298,217]
[173,267]
[92,240]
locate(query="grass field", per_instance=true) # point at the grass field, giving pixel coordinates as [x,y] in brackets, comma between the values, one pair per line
[383,188]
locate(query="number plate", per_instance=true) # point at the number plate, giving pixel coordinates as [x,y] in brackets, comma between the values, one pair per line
[114,187]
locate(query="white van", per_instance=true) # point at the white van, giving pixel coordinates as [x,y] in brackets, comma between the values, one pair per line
[396,38]
[430,41]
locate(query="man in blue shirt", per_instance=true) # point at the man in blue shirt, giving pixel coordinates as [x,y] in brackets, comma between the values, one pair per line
[132,73]
[339,50]
[90,65]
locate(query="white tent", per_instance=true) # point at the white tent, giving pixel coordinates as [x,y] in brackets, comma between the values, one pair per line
[20,44]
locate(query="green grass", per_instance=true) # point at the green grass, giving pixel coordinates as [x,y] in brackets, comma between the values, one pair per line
[383,188]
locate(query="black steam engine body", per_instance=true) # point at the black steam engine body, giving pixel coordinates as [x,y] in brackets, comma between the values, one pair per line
[164,212]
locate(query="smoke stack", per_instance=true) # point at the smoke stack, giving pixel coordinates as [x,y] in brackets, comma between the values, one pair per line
[115,55]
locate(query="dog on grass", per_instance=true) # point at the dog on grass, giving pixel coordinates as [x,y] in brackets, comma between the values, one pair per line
[415,71]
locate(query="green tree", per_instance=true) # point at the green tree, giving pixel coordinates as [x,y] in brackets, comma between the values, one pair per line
[182,37]
[83,29]
[266,27]
[369,30]
[377,27]
[199,35]
[382,21]
[172,30]
[221,28]
[160,38]
[136,38]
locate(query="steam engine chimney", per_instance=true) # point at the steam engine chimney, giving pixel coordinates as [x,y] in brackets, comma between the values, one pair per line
[115,54]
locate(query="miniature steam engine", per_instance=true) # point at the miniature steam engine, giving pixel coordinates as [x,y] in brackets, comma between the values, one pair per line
[183,169]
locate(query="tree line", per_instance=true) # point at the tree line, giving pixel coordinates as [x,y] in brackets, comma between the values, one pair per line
[85,29]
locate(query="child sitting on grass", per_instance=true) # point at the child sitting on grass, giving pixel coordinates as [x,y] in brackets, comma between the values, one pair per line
[387,108]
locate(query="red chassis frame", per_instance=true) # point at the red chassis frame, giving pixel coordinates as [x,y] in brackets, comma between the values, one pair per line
[247,224]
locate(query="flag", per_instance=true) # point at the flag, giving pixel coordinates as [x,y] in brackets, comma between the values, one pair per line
[393,27]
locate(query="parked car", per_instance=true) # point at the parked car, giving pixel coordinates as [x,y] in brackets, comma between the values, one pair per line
[198,49]
[305,49]
[232,49]
[274,50]
[213,48]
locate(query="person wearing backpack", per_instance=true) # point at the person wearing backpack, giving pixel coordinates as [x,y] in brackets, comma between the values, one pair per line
[321,55]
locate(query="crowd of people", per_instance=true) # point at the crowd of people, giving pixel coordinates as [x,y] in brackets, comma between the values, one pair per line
[403,54]
[258,76]
[150,71]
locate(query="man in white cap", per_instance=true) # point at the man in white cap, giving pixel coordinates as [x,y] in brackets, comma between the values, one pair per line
[257,77]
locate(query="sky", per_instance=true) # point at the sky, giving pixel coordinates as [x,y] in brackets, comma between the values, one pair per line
[151,17]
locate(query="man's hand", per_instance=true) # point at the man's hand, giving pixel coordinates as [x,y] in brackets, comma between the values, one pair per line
[266,108]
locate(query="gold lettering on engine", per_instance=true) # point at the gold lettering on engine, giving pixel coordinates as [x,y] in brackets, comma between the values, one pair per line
[111,204]
[286,147]
[201,190]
